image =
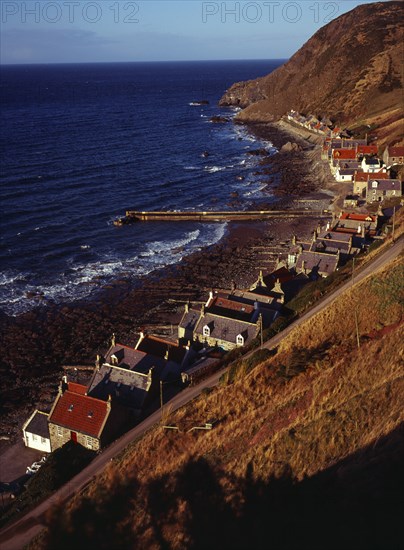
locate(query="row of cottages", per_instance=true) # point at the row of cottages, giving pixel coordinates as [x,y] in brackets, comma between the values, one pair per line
[123,384]
[312,123]
[234,318]
[353,161]
[332,245]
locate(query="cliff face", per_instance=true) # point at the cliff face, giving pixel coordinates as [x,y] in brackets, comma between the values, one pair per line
[351,70]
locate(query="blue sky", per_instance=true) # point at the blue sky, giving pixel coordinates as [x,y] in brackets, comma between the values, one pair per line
[66,31]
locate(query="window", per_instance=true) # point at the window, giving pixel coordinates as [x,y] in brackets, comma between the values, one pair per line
[206,331]
[34,437]
[43,440]
[59,431]
[89,442]
[240,340]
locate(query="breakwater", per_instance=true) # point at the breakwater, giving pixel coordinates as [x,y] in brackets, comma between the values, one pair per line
[132,216]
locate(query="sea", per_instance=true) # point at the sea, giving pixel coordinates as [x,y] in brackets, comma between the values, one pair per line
[81,143]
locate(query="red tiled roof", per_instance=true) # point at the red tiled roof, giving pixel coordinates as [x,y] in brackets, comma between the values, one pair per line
[219,301]
[344,154]
[396,151]
[80,413]
[367,149]
[77,388]
[357,217]
[364,176]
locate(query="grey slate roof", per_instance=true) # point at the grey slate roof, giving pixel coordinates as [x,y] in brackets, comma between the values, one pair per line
[126,386]
[385,185]
[335,236]
[329,245]
[317,263]
[347,171]
[225,329]
[132,359]
[39,425]
[190,319]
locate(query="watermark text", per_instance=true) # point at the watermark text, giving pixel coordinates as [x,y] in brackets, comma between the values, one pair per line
[69,12]
[269,12]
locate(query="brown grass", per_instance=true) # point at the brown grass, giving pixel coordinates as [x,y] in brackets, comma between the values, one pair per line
[316,402]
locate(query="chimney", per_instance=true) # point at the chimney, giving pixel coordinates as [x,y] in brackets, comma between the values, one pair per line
[293,239]
[63,385]
[98,361]
[187,307]
[210,299]
[261,279]
[113,340]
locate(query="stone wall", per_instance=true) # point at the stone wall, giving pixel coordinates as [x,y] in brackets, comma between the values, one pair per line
[59,436]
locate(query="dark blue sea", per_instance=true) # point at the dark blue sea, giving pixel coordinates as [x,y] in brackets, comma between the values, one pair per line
[82,143]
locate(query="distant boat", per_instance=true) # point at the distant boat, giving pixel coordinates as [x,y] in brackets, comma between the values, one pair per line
[201,102]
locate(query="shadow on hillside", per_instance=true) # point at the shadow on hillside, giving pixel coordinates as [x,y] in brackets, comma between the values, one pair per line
[355,504]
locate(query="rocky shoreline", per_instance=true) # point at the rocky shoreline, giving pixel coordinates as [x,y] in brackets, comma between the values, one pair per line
[37,344]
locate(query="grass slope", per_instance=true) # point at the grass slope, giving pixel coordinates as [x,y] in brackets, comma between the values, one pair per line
[305,451]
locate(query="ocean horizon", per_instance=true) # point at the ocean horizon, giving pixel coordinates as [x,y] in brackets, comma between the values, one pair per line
[81,143]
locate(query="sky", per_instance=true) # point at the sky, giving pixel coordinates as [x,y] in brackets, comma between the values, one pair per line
[72,31]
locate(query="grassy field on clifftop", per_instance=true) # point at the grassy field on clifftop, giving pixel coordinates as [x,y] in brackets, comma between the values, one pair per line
[306,450]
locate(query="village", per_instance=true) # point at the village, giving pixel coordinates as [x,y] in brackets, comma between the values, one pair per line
[128,381]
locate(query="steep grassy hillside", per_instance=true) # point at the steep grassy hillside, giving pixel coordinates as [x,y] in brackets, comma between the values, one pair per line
[305,452]
[351,69]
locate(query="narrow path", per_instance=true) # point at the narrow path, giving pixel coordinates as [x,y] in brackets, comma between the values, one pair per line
[19,534]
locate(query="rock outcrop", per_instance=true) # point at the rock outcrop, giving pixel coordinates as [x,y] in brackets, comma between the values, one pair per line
[350,70]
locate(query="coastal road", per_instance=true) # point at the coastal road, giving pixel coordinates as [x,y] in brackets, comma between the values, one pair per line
[19,534]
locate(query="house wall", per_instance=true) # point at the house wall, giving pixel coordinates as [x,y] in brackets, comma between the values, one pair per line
[227,346]
[34,441]
[359,188]
[59,436]
[380,195]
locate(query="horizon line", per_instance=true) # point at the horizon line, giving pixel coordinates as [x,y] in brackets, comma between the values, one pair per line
[133,62]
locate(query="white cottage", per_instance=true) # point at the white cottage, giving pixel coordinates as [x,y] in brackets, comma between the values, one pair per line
[36,432]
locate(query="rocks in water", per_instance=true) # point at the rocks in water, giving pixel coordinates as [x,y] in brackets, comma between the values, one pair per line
[219,119]
[205,154]
[234,194]
[240,178]
[262,152]
[34,295]
[289,147]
